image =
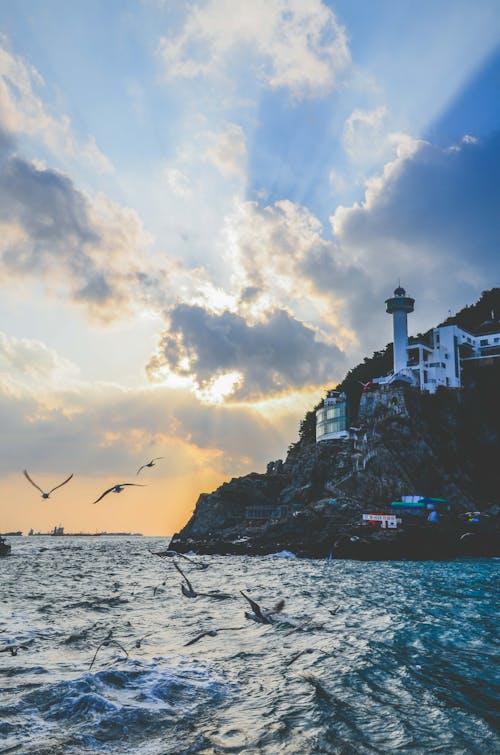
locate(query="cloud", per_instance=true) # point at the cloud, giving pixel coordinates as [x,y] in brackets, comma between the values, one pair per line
[227,151]
[272,356]
[264,246]
[269,250]
[23,111]
[51,419]
[93,247]
[294,45]
[177,181]
[364,133]
[434,210]
[28,363]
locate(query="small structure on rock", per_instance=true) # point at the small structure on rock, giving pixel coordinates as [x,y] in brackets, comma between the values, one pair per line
[385,521]
[420,506]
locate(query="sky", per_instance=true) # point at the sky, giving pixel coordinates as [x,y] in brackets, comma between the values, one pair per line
[203,206]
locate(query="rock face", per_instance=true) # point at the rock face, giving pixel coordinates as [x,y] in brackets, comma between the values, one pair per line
[406,443]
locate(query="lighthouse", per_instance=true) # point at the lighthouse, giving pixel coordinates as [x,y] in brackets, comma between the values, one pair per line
[399,306]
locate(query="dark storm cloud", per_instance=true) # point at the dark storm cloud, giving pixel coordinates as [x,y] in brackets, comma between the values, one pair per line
[53,218]
[51,229]
[275,355]
[443,200]
[45,203]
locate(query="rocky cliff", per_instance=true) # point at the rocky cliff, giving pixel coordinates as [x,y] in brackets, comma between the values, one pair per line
[445,445]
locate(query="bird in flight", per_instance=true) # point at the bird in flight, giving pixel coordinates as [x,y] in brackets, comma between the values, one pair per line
[187,589]
[117,489]
[298,655]
[150,463]
[107,643]
[139,641]
[189,592]
[260,616]
[175,554]
[212,633]
[45,495]
[13,649]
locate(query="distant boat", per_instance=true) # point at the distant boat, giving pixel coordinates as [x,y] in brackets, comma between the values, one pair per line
[4,547]
[59,532]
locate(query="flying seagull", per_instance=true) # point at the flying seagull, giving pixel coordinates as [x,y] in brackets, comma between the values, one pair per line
[297,655]
[45,495]
[13,649]
[139,642]
[189,592]
[106,643]
[117,489]
[212,633]
[260,616]
[150,463]
[187,589]
[174,554]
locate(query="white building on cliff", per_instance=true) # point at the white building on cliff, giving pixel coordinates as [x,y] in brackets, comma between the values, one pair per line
[437,358]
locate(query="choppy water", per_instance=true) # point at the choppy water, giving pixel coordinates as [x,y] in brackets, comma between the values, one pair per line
[406,664]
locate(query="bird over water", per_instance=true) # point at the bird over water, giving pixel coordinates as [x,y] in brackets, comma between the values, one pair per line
[45,495]
[117,489]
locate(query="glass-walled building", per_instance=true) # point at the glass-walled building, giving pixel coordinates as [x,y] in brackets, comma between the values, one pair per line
[332,419]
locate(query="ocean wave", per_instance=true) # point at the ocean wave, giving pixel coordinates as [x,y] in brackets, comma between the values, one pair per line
[366,657]
[119,702]
[281,554]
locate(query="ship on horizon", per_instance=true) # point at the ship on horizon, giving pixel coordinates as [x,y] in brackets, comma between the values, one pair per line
[58,531]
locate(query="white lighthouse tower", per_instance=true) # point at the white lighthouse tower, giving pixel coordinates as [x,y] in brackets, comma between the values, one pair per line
[399,306]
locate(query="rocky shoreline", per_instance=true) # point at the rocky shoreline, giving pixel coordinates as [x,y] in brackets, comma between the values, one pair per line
[325,537]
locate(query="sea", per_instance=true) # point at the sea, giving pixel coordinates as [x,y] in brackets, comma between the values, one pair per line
[365,657]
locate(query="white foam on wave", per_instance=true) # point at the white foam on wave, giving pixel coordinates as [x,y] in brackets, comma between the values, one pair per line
[282,554]
[127,697]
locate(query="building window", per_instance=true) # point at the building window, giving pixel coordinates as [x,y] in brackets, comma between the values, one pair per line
[483,342]
[331,420]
